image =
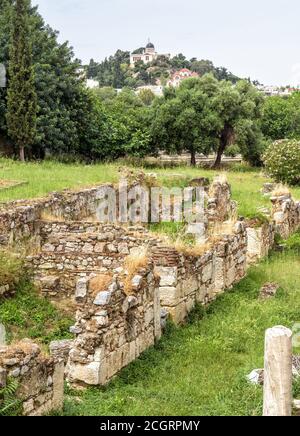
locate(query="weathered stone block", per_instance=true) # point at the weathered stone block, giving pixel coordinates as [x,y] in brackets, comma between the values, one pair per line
[169,296]
[89,374]
[102,298]
[168,275]
[81,288]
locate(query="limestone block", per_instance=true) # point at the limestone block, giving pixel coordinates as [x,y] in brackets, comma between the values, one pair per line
[99,354]
[99,247]
[49,282]
[219,279]
[89,374]
[28,406]
[132,301]
[137,281]
[169,296]
[149,316]
[58,386]
[102,298]
[190,285]
[81,288]
[88,248]
[101,321]
[168,275]
[178,313]
[123,248]
[207,272]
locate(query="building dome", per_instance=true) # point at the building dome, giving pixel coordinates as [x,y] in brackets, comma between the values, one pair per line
[150,45]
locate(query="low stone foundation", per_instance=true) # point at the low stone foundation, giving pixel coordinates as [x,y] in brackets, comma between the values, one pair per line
[188,280]
[40,378]
[285,220]
[112,329]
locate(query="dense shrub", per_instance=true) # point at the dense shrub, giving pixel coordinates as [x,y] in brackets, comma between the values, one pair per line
[282,160]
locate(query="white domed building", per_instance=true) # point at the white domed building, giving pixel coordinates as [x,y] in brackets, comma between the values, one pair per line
[146,56]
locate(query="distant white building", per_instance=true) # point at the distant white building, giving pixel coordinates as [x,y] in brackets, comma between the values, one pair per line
[277,90]
[147,56]
[92,84]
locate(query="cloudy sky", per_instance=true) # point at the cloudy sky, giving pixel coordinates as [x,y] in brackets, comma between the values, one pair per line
[257,38]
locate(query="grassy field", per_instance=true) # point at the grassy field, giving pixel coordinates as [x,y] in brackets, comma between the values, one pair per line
[200,369]
[43,178]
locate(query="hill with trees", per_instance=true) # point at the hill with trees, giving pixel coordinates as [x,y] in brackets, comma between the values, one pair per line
[115,71]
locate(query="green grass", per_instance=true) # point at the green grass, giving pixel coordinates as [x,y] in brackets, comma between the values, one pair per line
[45,177]
[200,369]
[28,315]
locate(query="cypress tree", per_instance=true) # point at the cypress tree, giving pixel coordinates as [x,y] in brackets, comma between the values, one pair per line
[21,93]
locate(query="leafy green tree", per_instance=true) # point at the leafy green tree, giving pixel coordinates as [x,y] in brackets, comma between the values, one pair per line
[281,117]
[202,67]
[21,95]
[205,115]
[147,96]
[62,98]
[180,61]
[92,69]
[185,120]
[239,110]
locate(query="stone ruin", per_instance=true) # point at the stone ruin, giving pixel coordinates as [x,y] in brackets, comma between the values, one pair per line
[120,310]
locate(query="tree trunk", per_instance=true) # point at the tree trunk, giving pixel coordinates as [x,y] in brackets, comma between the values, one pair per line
[225,140]
[22,154]
[193,158]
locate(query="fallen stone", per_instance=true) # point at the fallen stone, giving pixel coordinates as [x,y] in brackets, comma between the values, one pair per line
[256,377]
[268,291]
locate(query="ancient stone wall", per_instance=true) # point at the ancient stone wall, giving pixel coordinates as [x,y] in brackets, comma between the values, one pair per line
[220,207]
[286,215]
[72,252]
[187,280]
[40,378]
[112,328]
[285,220]
[260,240]
[19,220]
[119,314]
